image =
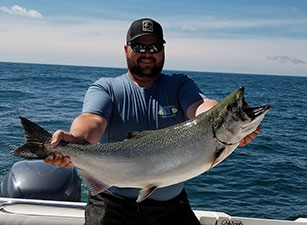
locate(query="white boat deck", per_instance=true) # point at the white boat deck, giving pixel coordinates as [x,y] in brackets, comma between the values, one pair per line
[42,212]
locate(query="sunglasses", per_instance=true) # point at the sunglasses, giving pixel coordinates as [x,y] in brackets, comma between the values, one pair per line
[141,48]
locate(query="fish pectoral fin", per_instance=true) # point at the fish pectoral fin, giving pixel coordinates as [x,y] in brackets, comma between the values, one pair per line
[146,192]
[222,154]
[95,186]
[219,156]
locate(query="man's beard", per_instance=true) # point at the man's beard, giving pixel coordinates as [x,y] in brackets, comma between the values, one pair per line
[136,69]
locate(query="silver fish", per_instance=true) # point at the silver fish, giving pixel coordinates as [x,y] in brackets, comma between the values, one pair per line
[155,159]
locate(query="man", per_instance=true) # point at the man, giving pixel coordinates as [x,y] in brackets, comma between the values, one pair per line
[142,99]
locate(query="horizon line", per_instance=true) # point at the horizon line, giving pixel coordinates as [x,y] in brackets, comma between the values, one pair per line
[167,69]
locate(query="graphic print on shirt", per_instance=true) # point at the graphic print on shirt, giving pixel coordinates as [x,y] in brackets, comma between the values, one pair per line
[167,111]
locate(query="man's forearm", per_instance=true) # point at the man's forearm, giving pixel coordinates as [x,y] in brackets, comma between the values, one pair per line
[200,107]
[89,127]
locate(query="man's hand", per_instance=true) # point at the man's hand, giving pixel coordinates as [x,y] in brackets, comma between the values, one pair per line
[58,159]
[250,137]
[85,128]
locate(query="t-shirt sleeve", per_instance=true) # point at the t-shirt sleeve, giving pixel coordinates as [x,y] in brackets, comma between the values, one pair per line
[189,92]
[98,100]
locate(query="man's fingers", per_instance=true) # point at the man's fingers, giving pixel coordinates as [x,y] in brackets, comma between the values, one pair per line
[69,165]
[245,141]
[65,161]
[57,137]
[242,143]
[60,135]
[58,160]
[258,129]
[49,159]
[254,134]
[250,137]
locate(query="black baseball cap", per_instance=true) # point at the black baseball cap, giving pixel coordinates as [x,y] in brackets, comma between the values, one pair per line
[145,26]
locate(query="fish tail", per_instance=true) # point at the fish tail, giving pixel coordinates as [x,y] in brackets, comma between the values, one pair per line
[36,137]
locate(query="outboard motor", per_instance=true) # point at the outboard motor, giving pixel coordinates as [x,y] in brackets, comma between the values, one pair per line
[38,180]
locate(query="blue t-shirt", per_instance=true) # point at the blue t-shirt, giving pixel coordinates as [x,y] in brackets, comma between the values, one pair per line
[128,107]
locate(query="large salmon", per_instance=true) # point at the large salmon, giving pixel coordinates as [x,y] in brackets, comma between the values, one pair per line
[155,159]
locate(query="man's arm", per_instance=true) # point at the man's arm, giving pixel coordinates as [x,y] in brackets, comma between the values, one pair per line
[86,127]
[199,107]
[206,104]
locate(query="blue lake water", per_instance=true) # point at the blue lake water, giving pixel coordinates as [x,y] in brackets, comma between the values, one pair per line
[266,179]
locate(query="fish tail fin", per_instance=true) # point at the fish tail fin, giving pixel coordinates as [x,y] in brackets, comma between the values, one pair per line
[35,137]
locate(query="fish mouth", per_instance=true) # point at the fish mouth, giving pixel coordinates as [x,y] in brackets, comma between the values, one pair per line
[254,112]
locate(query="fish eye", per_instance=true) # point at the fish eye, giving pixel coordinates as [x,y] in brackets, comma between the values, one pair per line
[234,109]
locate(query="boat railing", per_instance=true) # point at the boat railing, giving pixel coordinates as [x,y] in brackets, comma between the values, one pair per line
[73,205]
[40,212]
[42,207]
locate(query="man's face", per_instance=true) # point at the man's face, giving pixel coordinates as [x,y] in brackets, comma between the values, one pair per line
[145,65]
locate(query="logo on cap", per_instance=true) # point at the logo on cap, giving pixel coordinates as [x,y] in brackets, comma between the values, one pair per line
[147,26]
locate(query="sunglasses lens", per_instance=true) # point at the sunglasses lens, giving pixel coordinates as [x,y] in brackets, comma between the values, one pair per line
[155,48]
[141,48]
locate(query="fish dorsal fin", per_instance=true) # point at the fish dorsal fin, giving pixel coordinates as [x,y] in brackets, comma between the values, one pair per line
[95,186]
[146,192]
[137,134]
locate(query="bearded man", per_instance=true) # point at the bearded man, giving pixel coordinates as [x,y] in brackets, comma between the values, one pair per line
[141,99]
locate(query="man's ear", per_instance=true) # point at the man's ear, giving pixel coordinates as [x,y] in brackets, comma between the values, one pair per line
[126,49]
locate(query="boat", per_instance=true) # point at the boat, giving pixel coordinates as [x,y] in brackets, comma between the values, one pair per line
[27,179]
[45,212]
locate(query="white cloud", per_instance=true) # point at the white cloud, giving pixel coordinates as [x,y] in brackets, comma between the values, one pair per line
[20,11]
[286,59]
[188,27]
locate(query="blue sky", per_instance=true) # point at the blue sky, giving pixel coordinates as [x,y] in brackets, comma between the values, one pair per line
[241,36]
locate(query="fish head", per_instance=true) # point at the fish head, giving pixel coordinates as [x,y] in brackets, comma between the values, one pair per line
[235,119]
